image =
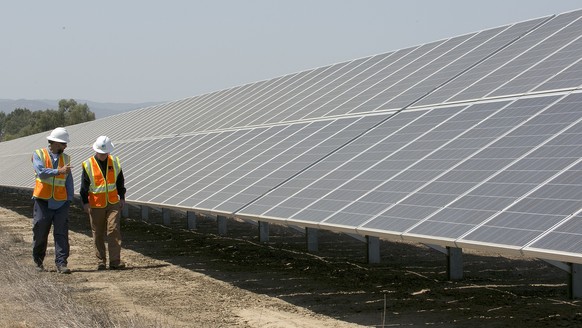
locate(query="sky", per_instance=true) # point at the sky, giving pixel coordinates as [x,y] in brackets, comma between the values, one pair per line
[135,51]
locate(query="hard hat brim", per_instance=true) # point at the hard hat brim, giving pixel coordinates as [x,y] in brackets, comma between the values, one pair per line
[102,151]
[56,139]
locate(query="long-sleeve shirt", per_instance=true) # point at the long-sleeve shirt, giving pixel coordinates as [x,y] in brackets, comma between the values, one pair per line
[47,172]
[86,182]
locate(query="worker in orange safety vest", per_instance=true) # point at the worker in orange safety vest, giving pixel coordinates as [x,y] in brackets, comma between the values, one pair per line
[103,196]
[52,194]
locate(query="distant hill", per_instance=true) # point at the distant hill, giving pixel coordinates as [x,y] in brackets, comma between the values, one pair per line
[101,110]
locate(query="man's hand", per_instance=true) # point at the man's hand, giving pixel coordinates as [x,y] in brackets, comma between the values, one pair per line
[121,204]
[65,169]
[86,208]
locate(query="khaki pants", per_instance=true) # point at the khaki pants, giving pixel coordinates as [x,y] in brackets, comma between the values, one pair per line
[105,225]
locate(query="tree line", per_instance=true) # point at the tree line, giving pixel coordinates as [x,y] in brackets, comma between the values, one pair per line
[22,122]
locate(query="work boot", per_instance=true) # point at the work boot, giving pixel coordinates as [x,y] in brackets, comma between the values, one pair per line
[101,266]
[63,269]
[118,266]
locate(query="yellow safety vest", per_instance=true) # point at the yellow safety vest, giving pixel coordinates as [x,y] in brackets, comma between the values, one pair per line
[51,187]
[103,187]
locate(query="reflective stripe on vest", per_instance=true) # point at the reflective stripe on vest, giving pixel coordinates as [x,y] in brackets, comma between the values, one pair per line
[101,191]
[51,187]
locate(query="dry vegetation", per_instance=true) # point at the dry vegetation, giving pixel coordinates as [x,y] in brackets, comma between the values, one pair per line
[36,300]
[183,278]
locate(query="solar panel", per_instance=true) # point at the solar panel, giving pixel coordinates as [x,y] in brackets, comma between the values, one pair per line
[500,190]
[198,161]
[510,61]
[306,106]
[358,84]
[489,55]
[250,105]
[543,70]
[445,170]
[277,164]
[299,99]
[380,81]
[549,203]
[565,237]
[263,114]
[526,52]
[348,162]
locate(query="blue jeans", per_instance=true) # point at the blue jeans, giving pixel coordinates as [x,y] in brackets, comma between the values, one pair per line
[43,218]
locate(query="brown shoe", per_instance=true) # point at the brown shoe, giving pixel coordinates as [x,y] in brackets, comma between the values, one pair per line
[119,266]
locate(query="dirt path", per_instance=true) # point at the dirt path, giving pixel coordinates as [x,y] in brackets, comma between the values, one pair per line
[196,278]
[162,291]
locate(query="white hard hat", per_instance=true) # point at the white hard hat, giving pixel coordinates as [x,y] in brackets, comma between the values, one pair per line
[59,135]
[103,145]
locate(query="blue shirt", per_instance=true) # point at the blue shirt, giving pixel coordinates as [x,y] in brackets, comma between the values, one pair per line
[45,172]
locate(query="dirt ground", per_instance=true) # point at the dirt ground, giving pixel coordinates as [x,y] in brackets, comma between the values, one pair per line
[196,278]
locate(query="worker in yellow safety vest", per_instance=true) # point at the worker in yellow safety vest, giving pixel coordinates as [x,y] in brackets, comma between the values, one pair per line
[52,194]
[103,196]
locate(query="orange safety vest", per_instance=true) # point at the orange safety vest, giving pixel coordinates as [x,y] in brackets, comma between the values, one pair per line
[51,187]
[103,187]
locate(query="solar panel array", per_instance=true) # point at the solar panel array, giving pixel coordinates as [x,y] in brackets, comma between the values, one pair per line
[473,141]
